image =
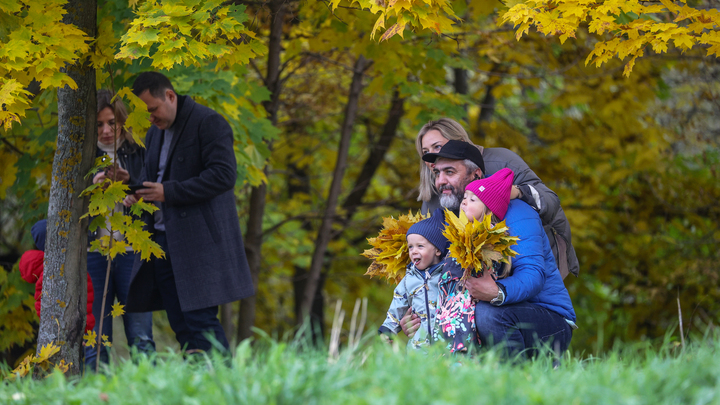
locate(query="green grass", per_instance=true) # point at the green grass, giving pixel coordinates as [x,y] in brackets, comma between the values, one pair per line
[279,373]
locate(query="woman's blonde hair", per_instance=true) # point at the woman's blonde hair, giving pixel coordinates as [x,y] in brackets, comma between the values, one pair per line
[450,130]
[104,97]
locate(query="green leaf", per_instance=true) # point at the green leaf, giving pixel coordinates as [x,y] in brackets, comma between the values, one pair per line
[97,222]
[141,206]
[103,201]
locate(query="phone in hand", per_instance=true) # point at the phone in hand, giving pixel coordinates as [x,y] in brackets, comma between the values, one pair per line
[133,188]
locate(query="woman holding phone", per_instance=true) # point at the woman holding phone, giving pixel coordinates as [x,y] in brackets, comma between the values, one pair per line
[116,144]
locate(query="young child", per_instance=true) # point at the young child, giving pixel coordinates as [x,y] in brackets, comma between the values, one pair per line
[419,288]
[31,269]
[455,319]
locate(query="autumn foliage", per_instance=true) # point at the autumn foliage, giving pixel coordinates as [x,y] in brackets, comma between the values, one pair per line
[476,244]
[389,253]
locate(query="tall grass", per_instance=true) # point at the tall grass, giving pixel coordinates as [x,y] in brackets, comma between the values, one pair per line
[272,372]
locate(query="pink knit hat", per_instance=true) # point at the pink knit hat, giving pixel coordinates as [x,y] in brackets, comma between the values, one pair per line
[494,191]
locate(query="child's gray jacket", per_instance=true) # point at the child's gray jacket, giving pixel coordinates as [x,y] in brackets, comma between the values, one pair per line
[419,290]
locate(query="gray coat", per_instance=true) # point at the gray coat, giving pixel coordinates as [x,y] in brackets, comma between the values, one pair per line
[540,197]
[203,231]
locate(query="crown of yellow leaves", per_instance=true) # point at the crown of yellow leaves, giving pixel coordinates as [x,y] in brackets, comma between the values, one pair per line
[389,251]
[476,244]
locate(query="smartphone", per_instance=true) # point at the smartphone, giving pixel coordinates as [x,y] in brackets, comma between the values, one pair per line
[134,188]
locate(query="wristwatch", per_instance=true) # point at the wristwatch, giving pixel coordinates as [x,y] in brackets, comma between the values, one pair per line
[497,301]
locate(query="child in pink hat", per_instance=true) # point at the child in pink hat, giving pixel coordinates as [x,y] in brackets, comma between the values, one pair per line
[455,319]
[488,195]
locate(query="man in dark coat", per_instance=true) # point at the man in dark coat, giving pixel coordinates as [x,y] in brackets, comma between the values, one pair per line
[190,171]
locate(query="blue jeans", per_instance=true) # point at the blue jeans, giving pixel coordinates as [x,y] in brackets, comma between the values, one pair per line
[138,326]
[521,328]
[193,329]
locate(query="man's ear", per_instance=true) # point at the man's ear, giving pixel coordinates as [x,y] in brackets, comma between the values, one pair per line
[478,174]
[170,95]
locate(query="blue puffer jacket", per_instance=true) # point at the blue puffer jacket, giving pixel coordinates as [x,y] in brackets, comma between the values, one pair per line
[535,277]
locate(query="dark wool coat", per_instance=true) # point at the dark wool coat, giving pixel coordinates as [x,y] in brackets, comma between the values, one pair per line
[203,231]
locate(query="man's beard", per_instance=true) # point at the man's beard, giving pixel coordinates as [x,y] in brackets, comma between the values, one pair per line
[453,200]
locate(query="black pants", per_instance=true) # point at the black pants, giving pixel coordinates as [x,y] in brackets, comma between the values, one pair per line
[191,328]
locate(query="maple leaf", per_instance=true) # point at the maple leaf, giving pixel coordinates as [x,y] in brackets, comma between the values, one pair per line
[62,366]
[118,247]
[684,41]
[389,253]
[100,245]
[141,206]
[90,338]
[117,310]
[475,245]
[14,99]
[46,352]
[106,341]
[24,367]
[394,29]
[138,119]
[103,201]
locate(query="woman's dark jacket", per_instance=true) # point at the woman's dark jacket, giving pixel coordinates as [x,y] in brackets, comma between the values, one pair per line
[131,158]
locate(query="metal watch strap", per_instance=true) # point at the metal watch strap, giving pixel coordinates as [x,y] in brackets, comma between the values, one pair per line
[497,301]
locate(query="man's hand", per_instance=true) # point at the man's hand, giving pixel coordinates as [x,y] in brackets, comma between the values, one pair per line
[482,288]
[152,192]
[410,323]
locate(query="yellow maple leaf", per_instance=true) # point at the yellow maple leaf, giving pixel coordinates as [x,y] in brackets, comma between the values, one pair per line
[389,253]
[62,366]
[46,352]
[117,310]
[106,341]
[90,338]
[394,29]
[24,367]
[475,245]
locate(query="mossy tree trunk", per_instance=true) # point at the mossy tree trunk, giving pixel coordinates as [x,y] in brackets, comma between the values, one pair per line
[64,298]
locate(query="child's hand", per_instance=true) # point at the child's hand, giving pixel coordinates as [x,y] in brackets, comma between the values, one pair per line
[410,323]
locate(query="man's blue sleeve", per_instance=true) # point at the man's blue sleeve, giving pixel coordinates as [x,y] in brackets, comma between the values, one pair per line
[528,277]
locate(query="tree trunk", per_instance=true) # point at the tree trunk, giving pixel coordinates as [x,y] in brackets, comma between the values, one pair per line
[317,308]
[64,301]
[487,108]
[253,247]
[350,205]
[376,157]
[460,83]
[324,232]
[254,235]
